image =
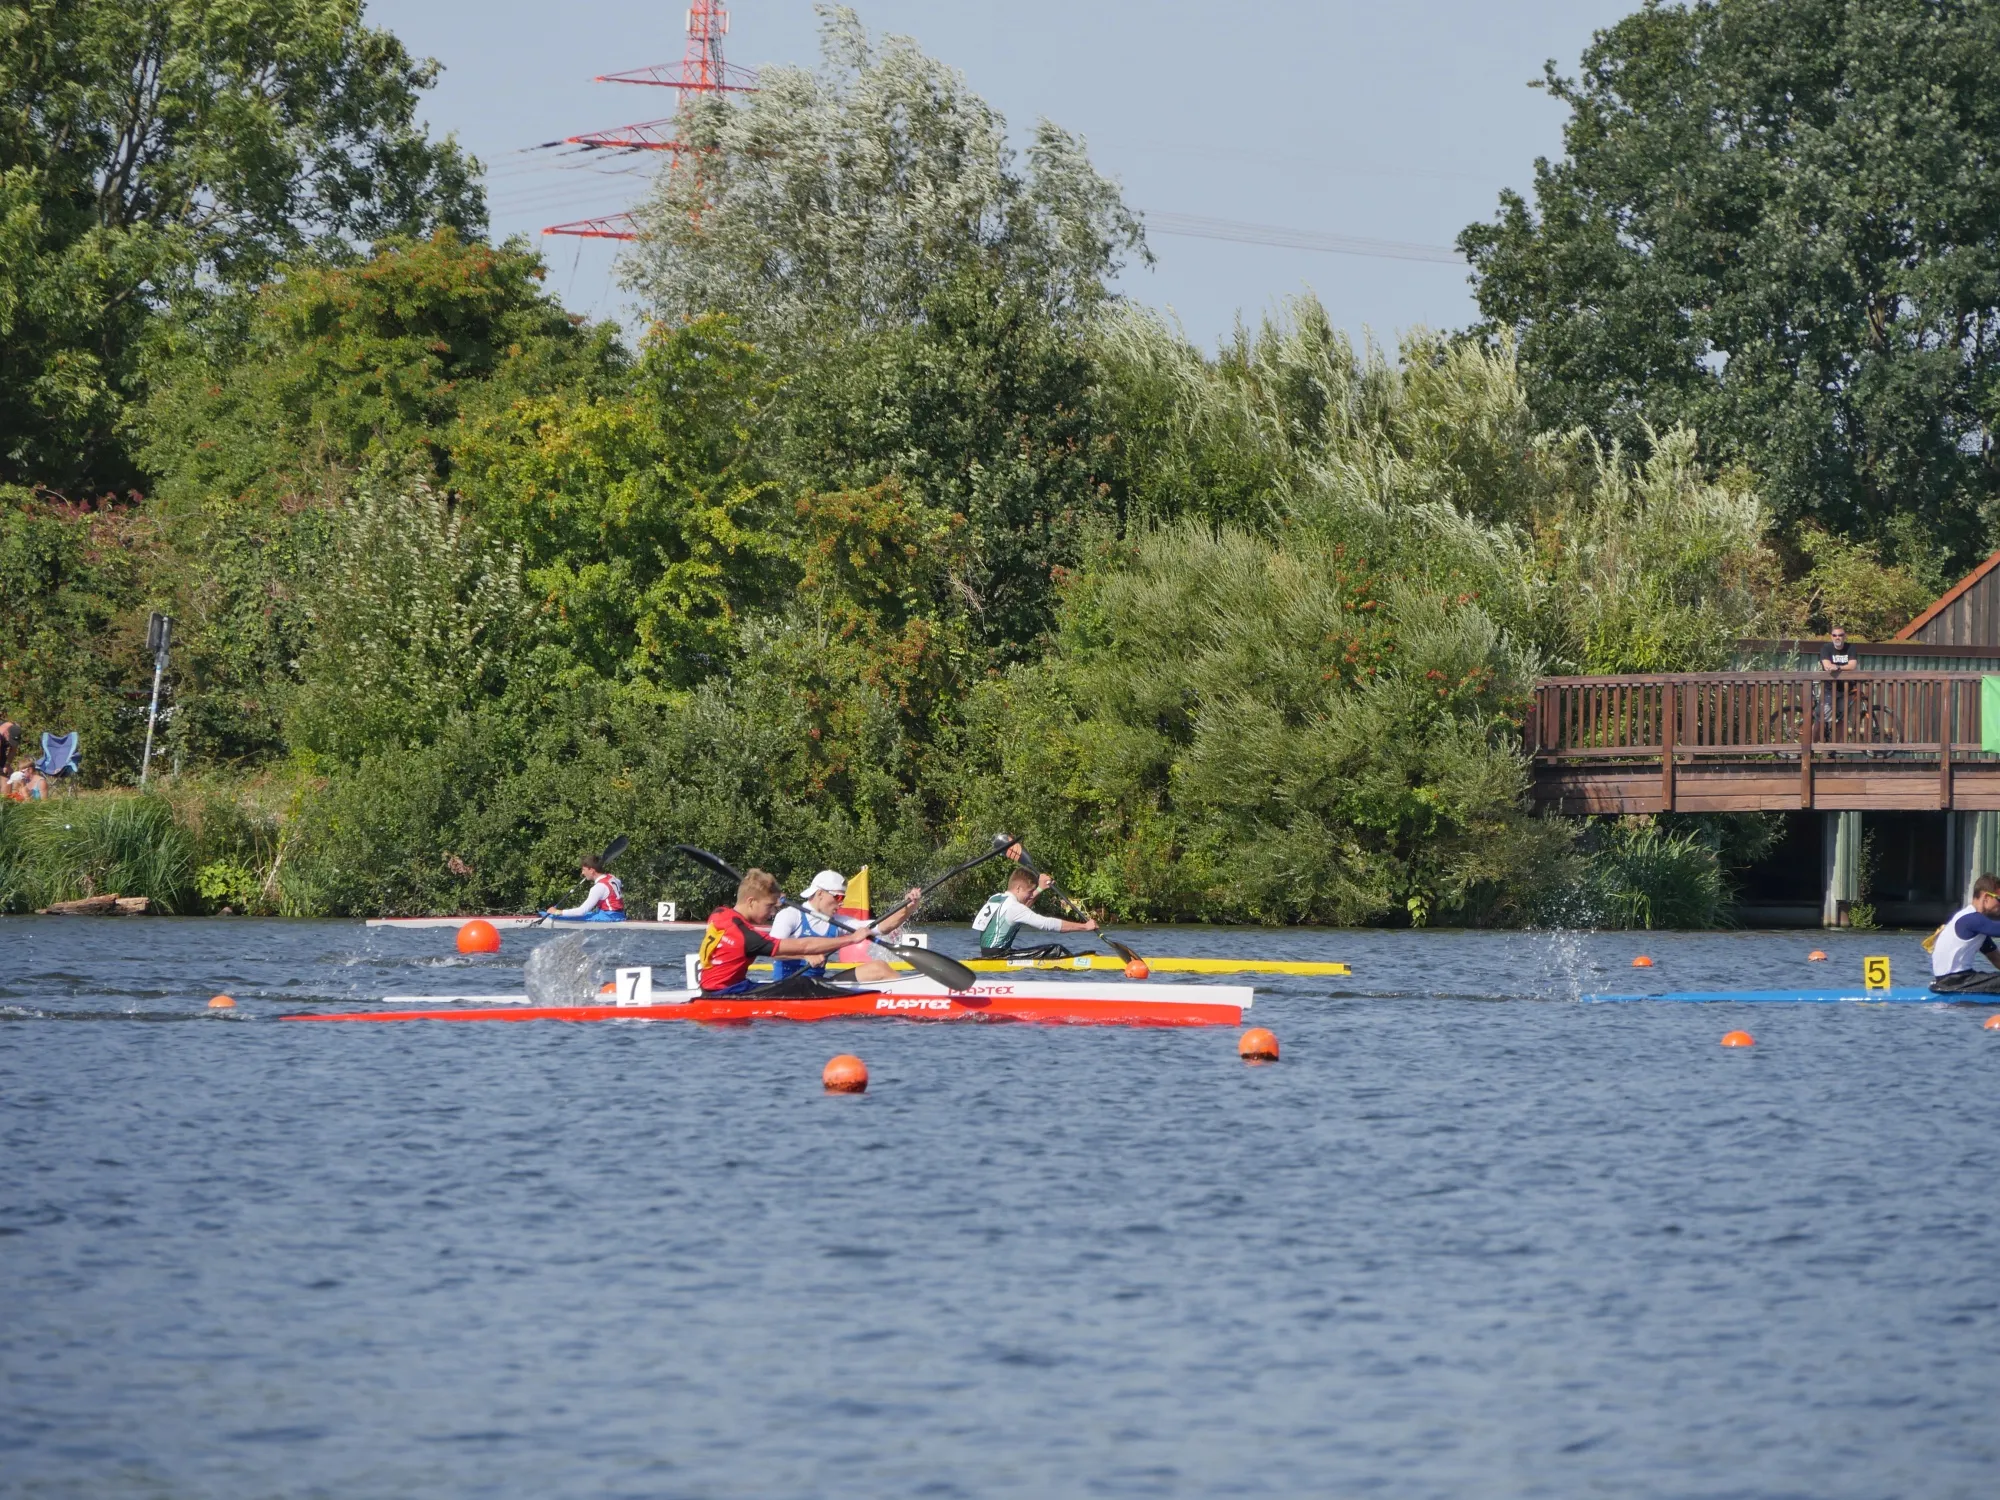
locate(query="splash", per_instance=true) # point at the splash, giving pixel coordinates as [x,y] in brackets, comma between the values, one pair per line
[561,972]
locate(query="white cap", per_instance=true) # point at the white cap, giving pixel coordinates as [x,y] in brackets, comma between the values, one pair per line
[827,880]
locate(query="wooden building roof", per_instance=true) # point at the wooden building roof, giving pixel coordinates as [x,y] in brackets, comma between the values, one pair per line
[1967,615]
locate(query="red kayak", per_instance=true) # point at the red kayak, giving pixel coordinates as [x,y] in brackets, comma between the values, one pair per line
[1048,1003]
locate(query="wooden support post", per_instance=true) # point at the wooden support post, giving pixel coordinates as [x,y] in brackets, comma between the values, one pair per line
[1805,751]
[1948,711]
[1669,714]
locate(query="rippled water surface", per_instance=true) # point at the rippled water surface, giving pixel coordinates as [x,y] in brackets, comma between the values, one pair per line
[1469,1239]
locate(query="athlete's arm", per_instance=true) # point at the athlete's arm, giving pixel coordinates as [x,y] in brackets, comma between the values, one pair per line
[810,947]
[902,913]
[1973,923]
[590,903]
[1024,915]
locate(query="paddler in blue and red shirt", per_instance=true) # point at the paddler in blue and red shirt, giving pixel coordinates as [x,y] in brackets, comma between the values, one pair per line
[733,940]
[1972,933]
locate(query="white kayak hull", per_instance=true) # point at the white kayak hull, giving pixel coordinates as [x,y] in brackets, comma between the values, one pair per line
[1232,996]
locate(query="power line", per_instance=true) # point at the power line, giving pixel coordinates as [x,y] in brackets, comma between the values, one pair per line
[1201,227]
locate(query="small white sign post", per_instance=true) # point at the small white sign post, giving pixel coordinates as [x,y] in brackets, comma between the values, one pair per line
[159,635]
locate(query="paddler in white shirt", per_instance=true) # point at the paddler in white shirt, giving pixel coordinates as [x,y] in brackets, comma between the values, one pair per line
[1006,913]
[1972,933]
[605,901]
[815,917]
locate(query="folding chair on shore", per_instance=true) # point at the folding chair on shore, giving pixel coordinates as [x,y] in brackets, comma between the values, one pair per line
[58,755]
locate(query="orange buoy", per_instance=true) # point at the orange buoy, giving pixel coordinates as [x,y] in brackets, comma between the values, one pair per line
[1642,962]
[479,936]
[1136,969]
[222,1002]
[1738,1039]
[607,988]
[1992,1023]
[1257,1045]
[1817,956]
[845,1074]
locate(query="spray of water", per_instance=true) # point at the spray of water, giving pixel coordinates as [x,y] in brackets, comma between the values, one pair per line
[1559,941]
[561,972]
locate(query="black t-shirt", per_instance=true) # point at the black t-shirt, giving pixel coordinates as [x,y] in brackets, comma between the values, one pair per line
[1836,658]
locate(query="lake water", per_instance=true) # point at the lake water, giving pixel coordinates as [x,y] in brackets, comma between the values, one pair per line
[1469,1239]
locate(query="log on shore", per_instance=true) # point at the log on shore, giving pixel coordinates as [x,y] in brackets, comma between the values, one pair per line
[113,905]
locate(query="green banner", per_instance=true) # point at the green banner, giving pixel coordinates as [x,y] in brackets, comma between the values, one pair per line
[1989,713]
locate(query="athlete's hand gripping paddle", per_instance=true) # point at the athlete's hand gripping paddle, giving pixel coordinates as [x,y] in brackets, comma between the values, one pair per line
[611,851]
[948,972]
[1077,909]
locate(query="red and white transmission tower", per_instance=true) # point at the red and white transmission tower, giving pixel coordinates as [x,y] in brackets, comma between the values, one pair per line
[702,71]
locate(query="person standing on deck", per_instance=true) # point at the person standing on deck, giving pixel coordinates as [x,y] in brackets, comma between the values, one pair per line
[1007,912]
[605,901]
[1962,941]
[733,940]
[817,917]
[1829,698]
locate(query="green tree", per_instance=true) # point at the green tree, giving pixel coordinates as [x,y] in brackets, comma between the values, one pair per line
[1227,730]
[412,616]
[72,647]
[154,150]
[1774,221]
[332,367]
[923,294]
[983,411]
[643,516]
[848,197]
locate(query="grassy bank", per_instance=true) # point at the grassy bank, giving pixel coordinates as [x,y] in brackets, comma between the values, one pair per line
[314,848]
[198,847]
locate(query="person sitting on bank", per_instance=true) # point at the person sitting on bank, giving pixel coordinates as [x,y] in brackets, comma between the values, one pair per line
[605,901]
[733,942]
[1836,658]
[26,786]
[1965,939]
[817,916]
[1001,920]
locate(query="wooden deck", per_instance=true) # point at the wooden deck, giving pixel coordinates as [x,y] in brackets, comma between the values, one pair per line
[1761,741]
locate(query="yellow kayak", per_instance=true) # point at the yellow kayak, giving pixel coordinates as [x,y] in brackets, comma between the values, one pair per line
[1107,961]
[1161,965]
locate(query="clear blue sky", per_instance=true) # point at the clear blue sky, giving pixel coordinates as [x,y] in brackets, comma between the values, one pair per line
[1396,122]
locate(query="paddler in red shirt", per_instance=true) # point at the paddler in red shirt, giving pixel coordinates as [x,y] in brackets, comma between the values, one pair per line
[733,941]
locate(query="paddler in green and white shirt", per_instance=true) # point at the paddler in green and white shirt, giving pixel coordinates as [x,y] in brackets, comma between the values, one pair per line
[1006,913]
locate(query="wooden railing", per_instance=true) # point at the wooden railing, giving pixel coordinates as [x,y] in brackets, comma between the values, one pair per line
[1892,719]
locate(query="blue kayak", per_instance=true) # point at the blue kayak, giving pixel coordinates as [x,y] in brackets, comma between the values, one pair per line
[1901,995]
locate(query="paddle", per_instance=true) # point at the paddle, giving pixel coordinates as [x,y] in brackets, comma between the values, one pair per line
[1077,909]
[948,972]
[611,851]
[1001,843]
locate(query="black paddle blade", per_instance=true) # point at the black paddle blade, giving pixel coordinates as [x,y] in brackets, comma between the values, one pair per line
[1120,949]
[948,972]
[612,850]
[709,862]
